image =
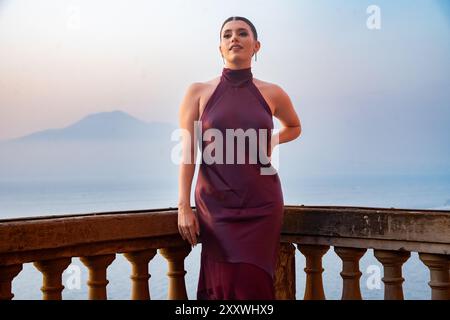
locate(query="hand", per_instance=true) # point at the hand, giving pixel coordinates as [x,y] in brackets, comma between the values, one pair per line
[269,155]
[273,144]
[188,225]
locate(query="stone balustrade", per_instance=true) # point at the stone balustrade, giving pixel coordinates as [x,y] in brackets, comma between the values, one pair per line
[392,234]
[51,242]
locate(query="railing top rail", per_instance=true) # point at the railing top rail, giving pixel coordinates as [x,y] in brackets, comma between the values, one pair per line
[367,209]
[360,223]
[416,225]
[82,215]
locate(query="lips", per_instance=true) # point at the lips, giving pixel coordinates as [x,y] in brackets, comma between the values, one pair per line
[235,46]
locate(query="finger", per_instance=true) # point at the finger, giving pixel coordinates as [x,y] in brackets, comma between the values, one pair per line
[180,226]
[186,234]
[183,233]
[197,226]
[188,237]
[192,235]
[179,231]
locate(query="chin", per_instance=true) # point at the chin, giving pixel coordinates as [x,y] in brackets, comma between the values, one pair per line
[237,58]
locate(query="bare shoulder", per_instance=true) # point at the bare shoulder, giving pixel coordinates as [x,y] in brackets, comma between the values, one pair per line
[278,99]
[270,88]
[199,89]
[196,94]
[206,89]
[274,95]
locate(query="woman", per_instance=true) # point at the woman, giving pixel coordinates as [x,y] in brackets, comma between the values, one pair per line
[239,210]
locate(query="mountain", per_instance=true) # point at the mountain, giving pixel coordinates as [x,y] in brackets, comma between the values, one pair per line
[106,144]
[114,125]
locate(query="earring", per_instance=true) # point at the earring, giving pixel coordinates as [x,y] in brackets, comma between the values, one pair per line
[223,60]
[255,57]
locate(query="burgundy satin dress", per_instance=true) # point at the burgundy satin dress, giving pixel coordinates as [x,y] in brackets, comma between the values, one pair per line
[240,210]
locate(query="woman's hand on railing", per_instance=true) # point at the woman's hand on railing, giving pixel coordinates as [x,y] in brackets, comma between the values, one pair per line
[188,225]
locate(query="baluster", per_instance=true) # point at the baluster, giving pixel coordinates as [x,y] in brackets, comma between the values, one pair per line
[314,284]
[97,282]
[175,258]
[392,262]
[7,275]
[438,264]
[350,271]
[285,272]
[52,277]
[139,261]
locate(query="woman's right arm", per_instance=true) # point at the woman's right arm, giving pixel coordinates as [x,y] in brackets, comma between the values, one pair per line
[188,225]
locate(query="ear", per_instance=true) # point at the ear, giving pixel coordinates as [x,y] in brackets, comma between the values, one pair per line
[220,50]
[257,46]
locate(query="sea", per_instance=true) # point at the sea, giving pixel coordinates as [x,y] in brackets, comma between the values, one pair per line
[61,196]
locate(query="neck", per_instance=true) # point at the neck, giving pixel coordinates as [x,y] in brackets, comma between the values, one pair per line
[237,77]
[238,65]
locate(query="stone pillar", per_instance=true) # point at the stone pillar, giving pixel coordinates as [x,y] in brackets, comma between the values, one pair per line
[7,275]
[314,284]
[139,275]
[175,258]
[350,272]
[438,264]
[285,272]
[392,262]
[97,282]
[52,277]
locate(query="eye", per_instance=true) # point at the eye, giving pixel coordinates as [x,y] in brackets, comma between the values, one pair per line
[244,34]
[226,36]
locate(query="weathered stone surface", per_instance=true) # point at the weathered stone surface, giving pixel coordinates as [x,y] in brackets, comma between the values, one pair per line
[368,223]
[62,231]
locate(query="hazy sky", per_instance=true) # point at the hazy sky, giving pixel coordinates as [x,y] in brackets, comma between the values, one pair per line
[61,60]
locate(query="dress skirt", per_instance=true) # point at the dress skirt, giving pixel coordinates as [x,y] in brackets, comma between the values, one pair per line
[233,281]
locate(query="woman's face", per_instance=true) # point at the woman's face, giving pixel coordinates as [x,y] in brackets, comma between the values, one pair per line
[237,42]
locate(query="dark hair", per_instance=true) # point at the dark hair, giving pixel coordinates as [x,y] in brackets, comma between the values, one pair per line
[252,27]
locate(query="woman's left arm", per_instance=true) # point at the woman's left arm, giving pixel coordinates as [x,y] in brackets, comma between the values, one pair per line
[285,112]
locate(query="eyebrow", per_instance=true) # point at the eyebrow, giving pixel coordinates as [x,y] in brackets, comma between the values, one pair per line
[239,29]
